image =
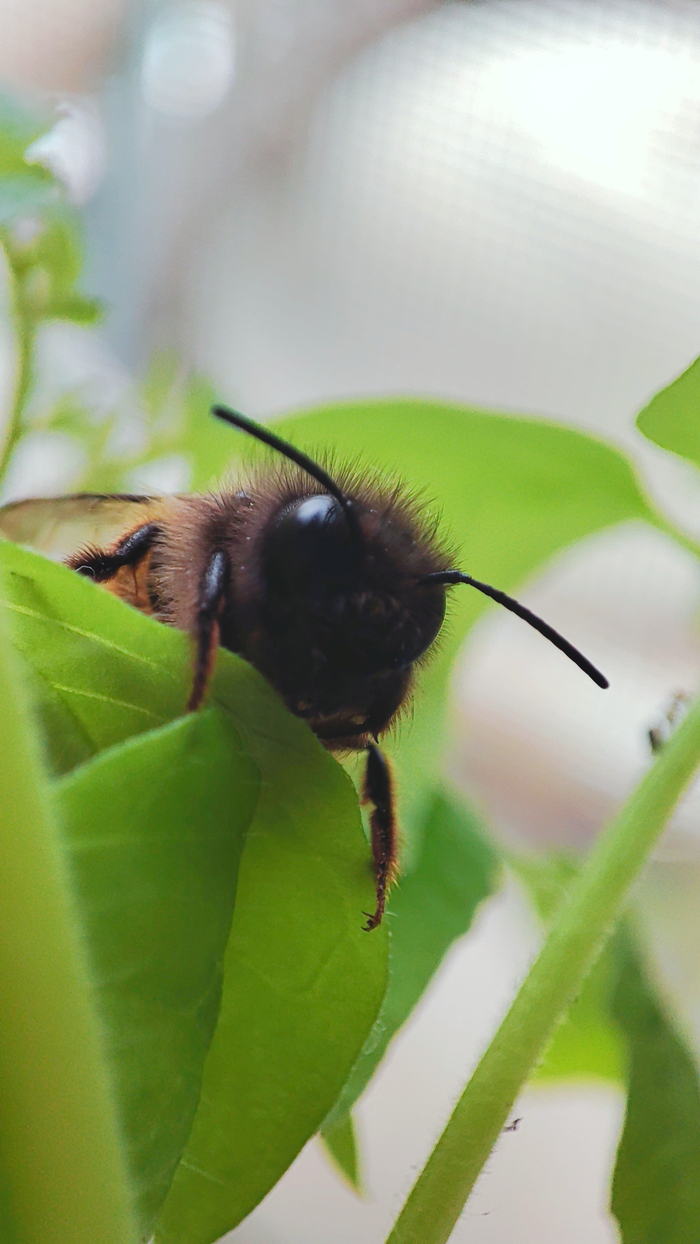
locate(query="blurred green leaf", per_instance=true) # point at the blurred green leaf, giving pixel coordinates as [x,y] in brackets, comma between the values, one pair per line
[154,828]
[427,911]
[19,126]
[656,1185]
[302,981]
[587,1044]
[23,187]
[511,492]
[672,418]
[75,307]
[178,403]
[340,1141]
[58,249]
[176,407]
[47,266]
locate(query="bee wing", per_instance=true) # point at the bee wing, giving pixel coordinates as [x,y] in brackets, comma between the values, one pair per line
[58,526]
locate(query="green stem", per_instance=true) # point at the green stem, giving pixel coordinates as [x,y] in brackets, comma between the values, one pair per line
[595,902]
[61,1174]
[25,334]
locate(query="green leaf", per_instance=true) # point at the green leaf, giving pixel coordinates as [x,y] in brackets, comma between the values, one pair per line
[178,405]
[428,910]
[154,828]
[340,1142]
[62,1174]
[303,986]
[587,1044]
[656,1185]
[49,266]
[57,249]
[23,187]
[75,307]
[19,126]
[302,981]
[672,417]
[511,492]
[101,668]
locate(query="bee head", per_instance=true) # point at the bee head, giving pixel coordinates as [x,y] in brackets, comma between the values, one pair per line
[359,600]
[350,596]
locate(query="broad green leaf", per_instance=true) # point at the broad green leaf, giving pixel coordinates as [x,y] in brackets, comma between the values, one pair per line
[428,910]
[511,492]
[302,981]
[656,1185]
[340,1141]
[672,418]
[154,829]
[109,672]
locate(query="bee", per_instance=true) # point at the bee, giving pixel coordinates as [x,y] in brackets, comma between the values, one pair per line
[334,589]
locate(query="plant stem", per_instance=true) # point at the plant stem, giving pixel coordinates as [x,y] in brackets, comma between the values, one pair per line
[25,332]
[62,1179]
[588,915]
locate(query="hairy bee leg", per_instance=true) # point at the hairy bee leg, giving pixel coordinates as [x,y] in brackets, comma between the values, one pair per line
[102,564]
[212,595]
[378,791]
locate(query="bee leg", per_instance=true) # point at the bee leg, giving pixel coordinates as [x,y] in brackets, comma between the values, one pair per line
[212,597]
[378,791]
[102,564]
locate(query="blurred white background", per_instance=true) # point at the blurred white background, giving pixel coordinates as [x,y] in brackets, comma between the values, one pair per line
[495,202]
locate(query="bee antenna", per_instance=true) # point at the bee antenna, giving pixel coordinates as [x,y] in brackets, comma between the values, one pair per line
[455,576]
[295,455]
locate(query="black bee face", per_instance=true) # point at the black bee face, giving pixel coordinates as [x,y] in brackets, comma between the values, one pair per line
[348,619]
[309,550]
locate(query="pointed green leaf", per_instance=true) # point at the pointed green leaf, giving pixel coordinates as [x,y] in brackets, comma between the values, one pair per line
[656,1186]
[672,417]
[340,1141]
[154,828]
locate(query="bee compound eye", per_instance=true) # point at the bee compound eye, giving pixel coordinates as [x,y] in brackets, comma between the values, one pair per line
[309,545]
